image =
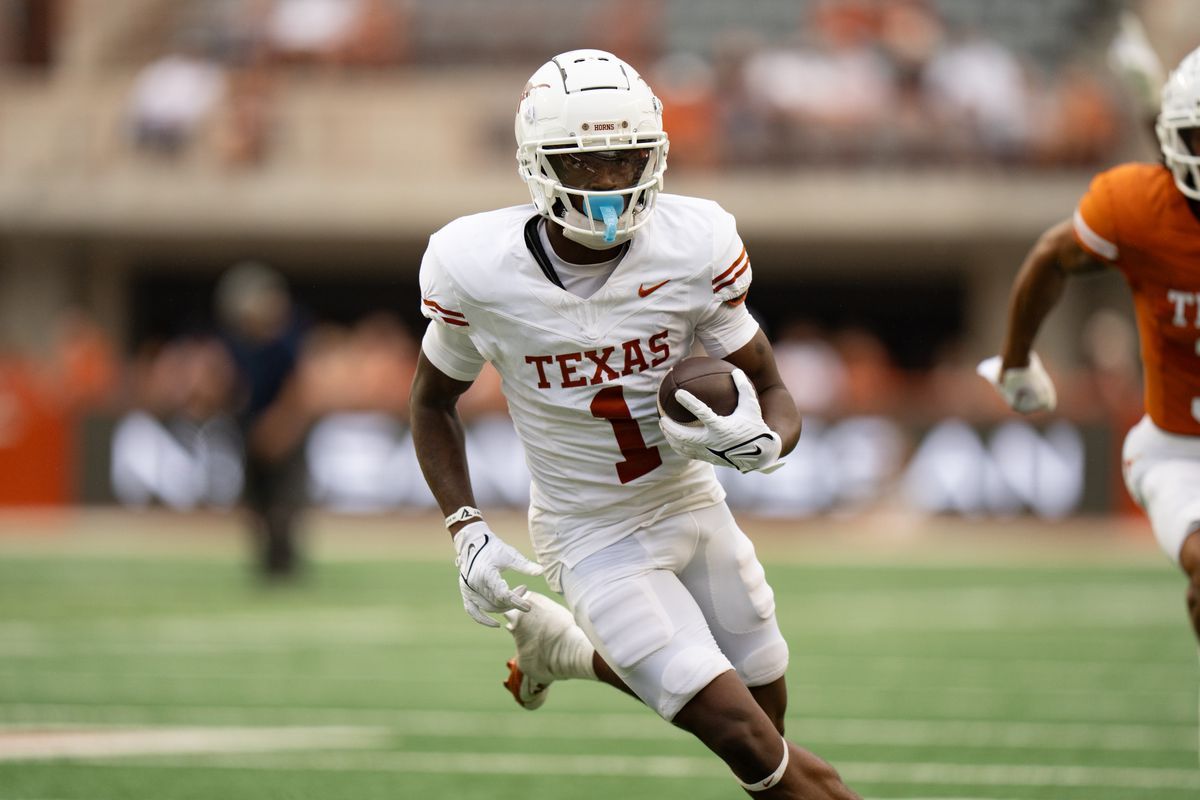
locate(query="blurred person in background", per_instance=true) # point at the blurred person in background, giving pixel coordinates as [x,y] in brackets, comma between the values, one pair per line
[264,332]
[173,96]
[1144,221]
[582,302]
[980,98]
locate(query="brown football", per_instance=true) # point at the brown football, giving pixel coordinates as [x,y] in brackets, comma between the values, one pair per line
[707,378]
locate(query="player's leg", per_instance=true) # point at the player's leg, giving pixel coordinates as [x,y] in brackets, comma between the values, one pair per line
[730,586]
[550,647]
[725,716]
[1162,473]
[648,629]
[772,698]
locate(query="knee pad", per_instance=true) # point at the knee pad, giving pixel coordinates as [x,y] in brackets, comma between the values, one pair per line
[764,665]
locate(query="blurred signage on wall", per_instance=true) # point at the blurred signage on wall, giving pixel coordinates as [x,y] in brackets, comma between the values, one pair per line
[364,463]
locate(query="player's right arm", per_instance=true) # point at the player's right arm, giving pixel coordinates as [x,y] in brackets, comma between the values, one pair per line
[1038,287]
[448,364]
[438,437]
[1017,373]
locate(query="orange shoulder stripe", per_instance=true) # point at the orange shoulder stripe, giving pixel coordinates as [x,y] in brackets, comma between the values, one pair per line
[732,280]
[731,267]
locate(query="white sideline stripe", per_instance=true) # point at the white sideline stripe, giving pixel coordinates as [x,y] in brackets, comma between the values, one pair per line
[49,744]
[1116,737]
[693,767]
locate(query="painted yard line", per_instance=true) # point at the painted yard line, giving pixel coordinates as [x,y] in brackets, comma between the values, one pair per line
[56,744]
[1148,671]
[77,644]
[197,684]
[299,620]
[583,726]
[694,767]
[806,702]
[1016,674]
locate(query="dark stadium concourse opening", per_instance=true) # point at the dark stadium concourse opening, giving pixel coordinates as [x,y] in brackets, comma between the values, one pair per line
[914,316]
[165,304]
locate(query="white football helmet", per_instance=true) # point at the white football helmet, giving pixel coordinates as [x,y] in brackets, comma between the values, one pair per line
[591,102]
[1181,110]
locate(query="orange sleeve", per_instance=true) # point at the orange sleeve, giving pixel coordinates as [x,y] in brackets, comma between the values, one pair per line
[1095,222]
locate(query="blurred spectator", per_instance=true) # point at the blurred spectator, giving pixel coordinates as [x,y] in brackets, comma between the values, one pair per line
[685,84]
[977,90]
[1075,120]
[1106,388]
[358,455]
[911,35]
[264,332]
[828,97]
[84,361]
[811,368]
[380,35]
[312,31]
[632,29]
[246,123]
[951,388]
[29,31]
[172,97]
[873,384]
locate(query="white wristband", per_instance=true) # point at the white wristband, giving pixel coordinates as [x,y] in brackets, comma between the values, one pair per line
[463,514]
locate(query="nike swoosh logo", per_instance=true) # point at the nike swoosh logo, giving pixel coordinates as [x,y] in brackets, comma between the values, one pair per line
[729,453]
[643,291]
[470,559]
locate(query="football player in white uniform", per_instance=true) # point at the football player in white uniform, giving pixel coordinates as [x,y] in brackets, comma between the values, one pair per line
[583,301]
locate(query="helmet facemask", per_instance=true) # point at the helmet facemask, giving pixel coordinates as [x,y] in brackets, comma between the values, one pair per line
[590,146]
[1179,116]
[600,217]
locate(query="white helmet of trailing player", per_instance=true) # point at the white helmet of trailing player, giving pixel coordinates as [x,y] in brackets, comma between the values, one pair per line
[589,107]
[1180,111]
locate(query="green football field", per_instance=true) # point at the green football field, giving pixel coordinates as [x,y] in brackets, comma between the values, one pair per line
[139,661]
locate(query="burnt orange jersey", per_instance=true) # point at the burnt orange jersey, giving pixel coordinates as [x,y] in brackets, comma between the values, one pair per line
[1134,218]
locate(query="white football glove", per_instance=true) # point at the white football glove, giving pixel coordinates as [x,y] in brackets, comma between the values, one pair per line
[1025,389]
[741,440]
[482,555]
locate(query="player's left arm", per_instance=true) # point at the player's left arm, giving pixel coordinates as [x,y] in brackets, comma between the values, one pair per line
[757,360]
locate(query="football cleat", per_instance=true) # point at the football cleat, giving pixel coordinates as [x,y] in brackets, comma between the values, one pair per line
[550,647]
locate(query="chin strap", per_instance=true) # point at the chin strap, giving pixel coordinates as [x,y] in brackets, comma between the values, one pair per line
[771,780]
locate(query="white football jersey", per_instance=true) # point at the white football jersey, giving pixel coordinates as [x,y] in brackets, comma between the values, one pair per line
[581,375]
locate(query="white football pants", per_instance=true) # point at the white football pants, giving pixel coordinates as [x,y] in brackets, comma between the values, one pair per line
[672,606]
[1162,473]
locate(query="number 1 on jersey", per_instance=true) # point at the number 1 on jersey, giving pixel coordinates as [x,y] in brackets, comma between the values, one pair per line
[609,403]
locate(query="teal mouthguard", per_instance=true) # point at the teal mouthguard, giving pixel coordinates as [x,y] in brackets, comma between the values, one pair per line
[607,209]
